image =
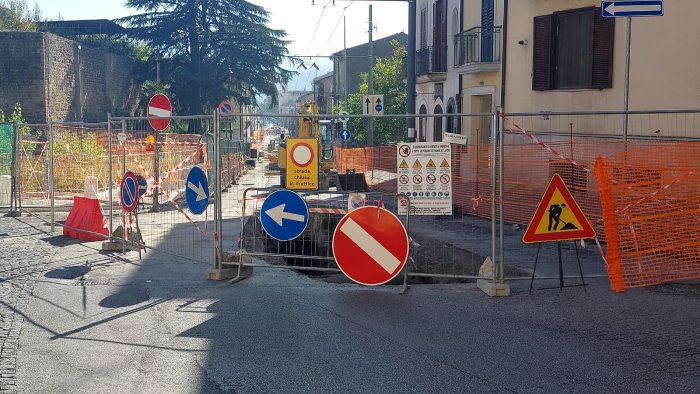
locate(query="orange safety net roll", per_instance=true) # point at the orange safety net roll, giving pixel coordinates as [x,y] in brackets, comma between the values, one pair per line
[651,211]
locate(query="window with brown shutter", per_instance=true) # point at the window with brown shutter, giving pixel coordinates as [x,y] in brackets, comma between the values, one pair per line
[542,53]
[573,49]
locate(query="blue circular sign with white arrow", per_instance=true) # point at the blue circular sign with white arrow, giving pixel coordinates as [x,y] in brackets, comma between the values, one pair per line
[345,135]
[284,215]
[197,191]
[143,185]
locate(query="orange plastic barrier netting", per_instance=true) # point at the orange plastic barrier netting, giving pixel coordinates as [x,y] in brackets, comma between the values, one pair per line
[651,209]
[528,169]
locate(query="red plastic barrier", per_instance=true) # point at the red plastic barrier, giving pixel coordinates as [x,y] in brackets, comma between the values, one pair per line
[86,215]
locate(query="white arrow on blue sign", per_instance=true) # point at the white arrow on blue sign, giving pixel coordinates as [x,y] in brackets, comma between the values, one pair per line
[345,135]
[284,215]
[197,191]
[633,8]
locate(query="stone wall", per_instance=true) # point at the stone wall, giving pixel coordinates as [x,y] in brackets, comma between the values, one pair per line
[22,74]
[79,82]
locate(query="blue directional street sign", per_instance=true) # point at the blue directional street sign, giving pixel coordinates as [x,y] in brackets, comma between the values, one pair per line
[379,107]
[345,135]
[284,215]
[143,185]
[197,191]
[633,8]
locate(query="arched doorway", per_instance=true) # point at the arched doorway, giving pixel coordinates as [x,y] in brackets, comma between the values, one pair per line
[451,122]
[437,129]
[422,121]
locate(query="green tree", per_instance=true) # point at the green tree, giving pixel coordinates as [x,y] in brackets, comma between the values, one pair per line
[15,16]
[211,50]
[389,80]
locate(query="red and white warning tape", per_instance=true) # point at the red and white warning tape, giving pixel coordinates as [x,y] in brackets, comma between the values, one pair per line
[477,200]
[328,210]
[164,178]
[542,144]
[167,175]
[181,143]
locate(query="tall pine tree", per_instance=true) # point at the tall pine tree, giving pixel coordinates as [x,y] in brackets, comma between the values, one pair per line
[210,50]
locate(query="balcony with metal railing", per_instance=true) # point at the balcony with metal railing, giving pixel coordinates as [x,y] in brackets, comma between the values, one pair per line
[478,50]
[431,65]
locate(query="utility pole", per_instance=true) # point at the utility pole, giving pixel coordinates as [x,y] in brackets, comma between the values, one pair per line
[345,68]
[370,79]
[411,73]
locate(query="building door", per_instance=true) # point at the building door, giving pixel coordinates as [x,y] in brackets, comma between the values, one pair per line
[437,126]
[450,119]
[422,122]
[481,126]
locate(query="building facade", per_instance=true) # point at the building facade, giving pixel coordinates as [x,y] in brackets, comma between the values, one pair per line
[564,55]
[323,93]
[357,60]
[477,59]
[437,81]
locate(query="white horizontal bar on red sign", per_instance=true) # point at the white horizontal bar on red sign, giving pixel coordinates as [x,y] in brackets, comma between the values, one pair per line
[159,112]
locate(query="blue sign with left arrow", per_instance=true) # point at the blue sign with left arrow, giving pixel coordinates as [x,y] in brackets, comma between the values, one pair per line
[197,191]
[284,215]
[633,8]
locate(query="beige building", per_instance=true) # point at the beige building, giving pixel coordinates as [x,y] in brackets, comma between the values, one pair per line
[478,61]
[562,55]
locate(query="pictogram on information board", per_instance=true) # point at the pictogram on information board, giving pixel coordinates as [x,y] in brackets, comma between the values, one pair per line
[428,185]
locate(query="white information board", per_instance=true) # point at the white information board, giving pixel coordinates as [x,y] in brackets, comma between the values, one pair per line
[425,176]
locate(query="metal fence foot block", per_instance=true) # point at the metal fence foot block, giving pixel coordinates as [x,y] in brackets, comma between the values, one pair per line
[222,274]
[493,290]
[229,268]
[112,246]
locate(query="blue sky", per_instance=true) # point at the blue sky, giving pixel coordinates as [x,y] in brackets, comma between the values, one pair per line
[298,17]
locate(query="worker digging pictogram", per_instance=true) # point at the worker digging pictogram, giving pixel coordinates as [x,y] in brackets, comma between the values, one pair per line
[558,217]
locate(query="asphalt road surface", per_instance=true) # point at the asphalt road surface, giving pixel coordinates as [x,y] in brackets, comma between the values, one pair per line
[77,320]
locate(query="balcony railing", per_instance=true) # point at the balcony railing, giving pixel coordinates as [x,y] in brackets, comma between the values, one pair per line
[478,45]
[429,61]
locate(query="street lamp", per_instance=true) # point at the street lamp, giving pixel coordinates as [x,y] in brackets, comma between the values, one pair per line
[411,70]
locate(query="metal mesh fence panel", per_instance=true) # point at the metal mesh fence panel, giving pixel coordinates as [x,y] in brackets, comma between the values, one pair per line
[163,160]
[313,249]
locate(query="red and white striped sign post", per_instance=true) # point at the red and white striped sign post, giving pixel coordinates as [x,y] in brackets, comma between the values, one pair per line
[370,245]
[159,112]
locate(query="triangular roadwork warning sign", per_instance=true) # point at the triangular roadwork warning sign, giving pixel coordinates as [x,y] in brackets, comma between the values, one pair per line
[417,164]
[431,164]
[403,164]
[444,163]
[558,217]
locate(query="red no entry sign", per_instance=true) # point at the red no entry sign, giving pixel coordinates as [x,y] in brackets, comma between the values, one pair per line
[159,112]
[370,245]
